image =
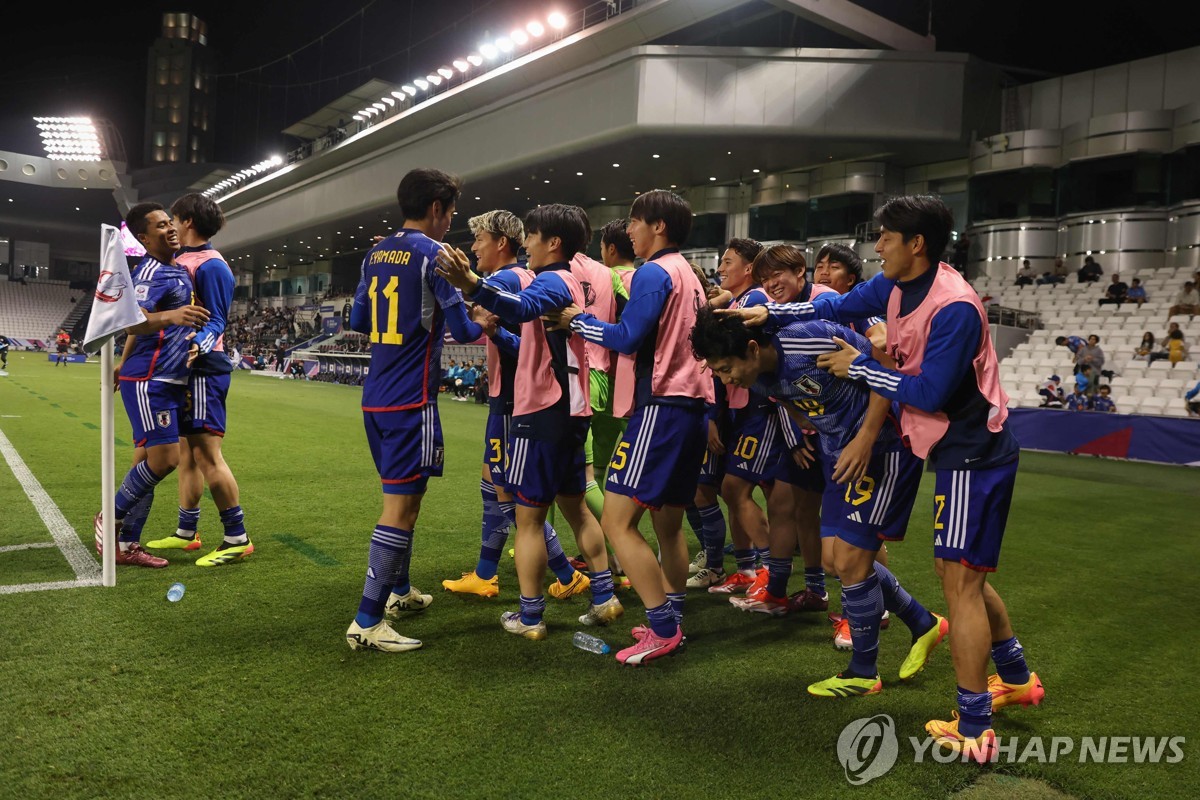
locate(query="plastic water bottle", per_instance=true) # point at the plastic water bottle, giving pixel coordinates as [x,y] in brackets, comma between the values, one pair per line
[585,641]
[175,592]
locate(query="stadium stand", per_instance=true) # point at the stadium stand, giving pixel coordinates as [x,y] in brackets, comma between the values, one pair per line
[1070,309]
[35,310]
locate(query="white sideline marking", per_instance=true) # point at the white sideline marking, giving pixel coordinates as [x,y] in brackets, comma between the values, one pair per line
[42,587]
[31,546]
[87,571]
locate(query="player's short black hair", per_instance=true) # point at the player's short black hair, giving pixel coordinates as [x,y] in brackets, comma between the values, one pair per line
[614,234]
[747,249]
[844,255]
[420,188]
[779,257]
[919,214]
[569,223]
[660,205]
[723,336]
[1060,340]
[206,216]
[135,220]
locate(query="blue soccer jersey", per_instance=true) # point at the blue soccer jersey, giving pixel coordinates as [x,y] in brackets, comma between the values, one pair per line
[834,406]
[401,305]
[160,356]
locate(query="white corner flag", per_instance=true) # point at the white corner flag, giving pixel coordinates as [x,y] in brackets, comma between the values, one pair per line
[114,309]
[113,306]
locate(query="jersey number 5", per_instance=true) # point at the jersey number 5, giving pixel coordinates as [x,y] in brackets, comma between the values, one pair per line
[390,335]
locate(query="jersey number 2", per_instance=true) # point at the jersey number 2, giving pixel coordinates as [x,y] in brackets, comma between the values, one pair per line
[391,335]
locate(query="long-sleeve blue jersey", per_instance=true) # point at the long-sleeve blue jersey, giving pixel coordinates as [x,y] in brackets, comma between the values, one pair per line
[214,283]
[160,356]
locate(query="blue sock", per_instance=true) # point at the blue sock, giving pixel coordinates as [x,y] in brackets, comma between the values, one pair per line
[602,586]
[532,609]
[761,555]
[744,559]
[135,520]
[235,528]
[862,604]
[901,603]
[556,559]
[778,572]
[1010,661]
[814,579]
[714,535]
[388,548]
[493,533]
[662,620]
[695,522]
[189,520]
[676,600]
[138,482]
[974,712]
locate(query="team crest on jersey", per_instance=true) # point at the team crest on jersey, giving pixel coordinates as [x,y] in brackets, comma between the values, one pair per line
[163,419]
[808,385]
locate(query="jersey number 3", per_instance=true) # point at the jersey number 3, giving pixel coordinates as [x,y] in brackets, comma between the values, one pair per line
[391,334]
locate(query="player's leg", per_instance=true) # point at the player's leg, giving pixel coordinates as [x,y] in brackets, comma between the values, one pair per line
[604,607]
[782,509]
[712,526]
[673,556]
[971,510]
[498,514]
[406,447]
[744,515]
[1013,683]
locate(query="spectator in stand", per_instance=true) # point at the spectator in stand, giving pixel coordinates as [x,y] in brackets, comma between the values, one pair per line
[1176,348]
[1074,344]
[1146,348]
[1187,301]
[1078,400]
[1104,402]
[1191,402]
[1052,393]
[1091,356]
[1060,271]
[1090,272]
[1025,274]
[1116,292]
[1137,293]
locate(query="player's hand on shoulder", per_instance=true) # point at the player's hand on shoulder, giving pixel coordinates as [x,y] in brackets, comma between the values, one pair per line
[561,320]
[455,267]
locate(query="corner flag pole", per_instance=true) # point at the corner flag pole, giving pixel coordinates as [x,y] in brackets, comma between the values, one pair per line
[107,471]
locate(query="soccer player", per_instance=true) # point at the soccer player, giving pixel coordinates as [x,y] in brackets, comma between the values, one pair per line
[657,462]
[153,377]
[755,434]
[197,219]
[497,239]
[794,502]
[404,307]
[550,411]
[4,344]
[953,414]
[63,341]
[604,295]
[874,507]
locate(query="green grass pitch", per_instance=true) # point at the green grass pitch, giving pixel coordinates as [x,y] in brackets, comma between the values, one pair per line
[246,688]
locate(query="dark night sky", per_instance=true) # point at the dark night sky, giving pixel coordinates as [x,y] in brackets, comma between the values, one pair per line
[95,64]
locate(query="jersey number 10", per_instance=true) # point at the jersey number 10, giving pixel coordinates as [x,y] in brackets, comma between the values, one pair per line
[390,335]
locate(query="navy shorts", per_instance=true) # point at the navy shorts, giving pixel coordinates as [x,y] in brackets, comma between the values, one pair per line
[657,462]
[407,447]
[970,510]
[712,469]
[205,409]
[153,408]
[495,448]
[757,444]
[876,508]
[539,470]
